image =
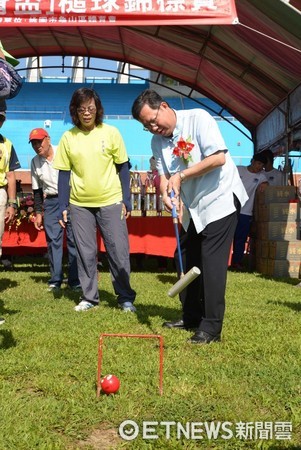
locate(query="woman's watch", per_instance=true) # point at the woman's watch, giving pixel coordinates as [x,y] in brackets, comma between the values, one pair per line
[182,177]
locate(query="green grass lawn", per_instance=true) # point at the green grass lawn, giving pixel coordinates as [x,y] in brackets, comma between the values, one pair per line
[49,354]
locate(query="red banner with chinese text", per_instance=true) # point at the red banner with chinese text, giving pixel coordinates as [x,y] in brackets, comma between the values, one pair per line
[35,13]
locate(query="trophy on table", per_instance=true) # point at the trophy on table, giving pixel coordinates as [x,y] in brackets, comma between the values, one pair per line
[150,196]
[135,187]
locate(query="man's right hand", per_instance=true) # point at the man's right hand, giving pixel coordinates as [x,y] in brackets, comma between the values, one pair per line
[64,220]
[38,222]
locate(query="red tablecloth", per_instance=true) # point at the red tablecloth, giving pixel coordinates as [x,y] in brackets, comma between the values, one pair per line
[148,235]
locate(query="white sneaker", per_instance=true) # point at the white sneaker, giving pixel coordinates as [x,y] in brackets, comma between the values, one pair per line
[53,287]
[2,320]
[84,306]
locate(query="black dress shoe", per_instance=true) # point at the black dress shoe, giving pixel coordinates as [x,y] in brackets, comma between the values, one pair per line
[180,325]
[202,337]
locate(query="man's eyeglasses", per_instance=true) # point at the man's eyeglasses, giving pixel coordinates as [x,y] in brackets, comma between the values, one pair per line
[90,109]
[153,123]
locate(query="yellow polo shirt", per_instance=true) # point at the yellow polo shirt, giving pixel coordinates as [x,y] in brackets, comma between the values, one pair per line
[91,157]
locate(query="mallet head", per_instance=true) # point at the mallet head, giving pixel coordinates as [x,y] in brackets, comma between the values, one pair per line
[184,281]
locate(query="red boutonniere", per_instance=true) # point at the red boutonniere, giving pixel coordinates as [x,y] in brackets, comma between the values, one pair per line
[183,149]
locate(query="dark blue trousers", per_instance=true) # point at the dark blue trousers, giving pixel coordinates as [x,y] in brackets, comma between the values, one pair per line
[240,238]
[55,244]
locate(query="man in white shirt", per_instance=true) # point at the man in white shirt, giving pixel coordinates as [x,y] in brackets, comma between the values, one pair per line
[274,176]
[253,178]
[45,189]
[194,162]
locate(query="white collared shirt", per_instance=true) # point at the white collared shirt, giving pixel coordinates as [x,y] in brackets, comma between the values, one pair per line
[208,197]
[43,174]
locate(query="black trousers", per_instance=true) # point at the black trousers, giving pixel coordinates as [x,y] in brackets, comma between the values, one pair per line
[203,301]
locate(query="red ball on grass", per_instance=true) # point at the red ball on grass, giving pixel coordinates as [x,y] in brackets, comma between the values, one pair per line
[110,384]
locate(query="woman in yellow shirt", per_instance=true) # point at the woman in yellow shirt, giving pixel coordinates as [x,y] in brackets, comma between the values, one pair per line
[93,161]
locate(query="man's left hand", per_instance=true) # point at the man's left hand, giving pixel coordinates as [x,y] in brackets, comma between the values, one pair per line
[174,184]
